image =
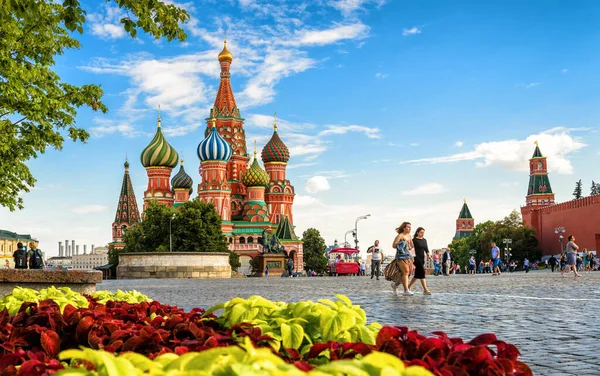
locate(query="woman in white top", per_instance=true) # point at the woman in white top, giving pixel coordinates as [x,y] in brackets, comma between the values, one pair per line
[572,249]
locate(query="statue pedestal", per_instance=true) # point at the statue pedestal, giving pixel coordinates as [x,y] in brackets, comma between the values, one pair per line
[275,261]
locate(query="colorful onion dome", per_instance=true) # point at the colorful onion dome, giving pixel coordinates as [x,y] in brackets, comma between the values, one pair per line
[255,176]
[159,153]
[182,180]
[275,150]
[214,147]
[225,55]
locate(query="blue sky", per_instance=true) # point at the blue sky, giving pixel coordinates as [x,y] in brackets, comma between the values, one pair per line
[394,108]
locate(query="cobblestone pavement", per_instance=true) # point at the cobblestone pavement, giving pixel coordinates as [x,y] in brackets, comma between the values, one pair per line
[553,321]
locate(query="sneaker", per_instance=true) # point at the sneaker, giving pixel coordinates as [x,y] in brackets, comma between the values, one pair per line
[394,288]
[408,293]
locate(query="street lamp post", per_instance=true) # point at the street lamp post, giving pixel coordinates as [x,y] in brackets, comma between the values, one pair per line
[507,250]
[170,234]
[356,228]
[345,235]
[560,231]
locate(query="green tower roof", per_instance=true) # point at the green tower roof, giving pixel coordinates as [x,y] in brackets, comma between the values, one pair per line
[159,153]
[285,231]
[465,213]
[255,176]
[537,153]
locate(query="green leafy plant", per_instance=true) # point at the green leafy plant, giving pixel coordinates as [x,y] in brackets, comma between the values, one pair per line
[300,325]
[242,360]
[64,296]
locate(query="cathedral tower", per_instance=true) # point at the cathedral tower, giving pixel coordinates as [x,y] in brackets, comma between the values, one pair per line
[256,179]
[465,223]
[214,153]
[159,158]
[127,210]
[182,186]
[280,192]
[229,124]
[539,192]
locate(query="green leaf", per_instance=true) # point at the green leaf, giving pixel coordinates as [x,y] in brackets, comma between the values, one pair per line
[292,335]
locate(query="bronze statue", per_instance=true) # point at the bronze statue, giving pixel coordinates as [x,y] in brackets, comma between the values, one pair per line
[271,243]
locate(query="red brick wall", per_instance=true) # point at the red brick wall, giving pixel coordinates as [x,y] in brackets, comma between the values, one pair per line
[579,217]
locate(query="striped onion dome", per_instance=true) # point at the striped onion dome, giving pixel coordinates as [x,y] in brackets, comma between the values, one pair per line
[159,153]
[182,179]
[214,147]
[255,176]
[275,150]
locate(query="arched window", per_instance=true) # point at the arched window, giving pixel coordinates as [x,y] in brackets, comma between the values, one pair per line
[242,240]
[250,240]
[230,240]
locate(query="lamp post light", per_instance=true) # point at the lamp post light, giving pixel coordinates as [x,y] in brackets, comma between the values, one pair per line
[560,231]
[345,235]
[356,228]
[171,234]
[507,250]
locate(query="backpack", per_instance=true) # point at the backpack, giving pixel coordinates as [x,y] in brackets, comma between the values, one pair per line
[35,261]
[20,256]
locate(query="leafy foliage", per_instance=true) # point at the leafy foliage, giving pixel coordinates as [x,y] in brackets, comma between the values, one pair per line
[195,227]
[314,251]
[595,190]
[299,325]
[524,243]
[234,261]
[577,192]
[38,109]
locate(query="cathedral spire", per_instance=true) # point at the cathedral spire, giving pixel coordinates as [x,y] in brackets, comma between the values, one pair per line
[539,191]
[225,105]
[127,210]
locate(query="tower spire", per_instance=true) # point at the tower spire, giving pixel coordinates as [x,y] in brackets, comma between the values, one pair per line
[275,122]
[159,115]
[127,210]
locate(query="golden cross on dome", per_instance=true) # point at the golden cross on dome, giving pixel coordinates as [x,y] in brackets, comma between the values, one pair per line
[159,115]
[536,143]
[465,200]
[225,36]
[254,149]
[214,122]
[275,121]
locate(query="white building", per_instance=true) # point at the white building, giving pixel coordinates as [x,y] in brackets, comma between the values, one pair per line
[59,262]
[98,257]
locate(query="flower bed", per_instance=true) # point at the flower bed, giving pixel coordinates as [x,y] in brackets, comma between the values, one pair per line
[57,331]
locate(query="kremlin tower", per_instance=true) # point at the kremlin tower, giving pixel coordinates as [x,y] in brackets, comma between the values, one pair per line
[465,223]
[182,186]
[159,158]
[539,191]
[127,210]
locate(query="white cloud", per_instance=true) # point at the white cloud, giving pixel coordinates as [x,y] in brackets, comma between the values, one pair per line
[349,7]
[317,184]
[380,75]
[86,209]
[564,70]
[106,24]
[425,189]
[556,144]
[301,200]
[459,144]
[530,85]
[414,144]
[322,37]
[412,31]
[343,129]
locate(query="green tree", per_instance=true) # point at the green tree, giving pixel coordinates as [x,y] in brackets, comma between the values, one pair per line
[38,109]
[234,261]
[577,191]
[314,251]
[595,189]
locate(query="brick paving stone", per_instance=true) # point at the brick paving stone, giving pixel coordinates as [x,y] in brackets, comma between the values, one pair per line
[550,319]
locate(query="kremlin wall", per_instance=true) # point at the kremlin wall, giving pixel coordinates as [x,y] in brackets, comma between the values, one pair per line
[249,199]
[580,217]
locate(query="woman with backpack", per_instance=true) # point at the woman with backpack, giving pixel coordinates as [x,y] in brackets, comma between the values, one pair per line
[36,259]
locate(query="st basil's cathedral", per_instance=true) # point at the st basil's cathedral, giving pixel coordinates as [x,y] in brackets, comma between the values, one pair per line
[248,198]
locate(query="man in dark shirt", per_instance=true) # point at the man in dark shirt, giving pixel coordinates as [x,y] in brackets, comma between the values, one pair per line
[20,257]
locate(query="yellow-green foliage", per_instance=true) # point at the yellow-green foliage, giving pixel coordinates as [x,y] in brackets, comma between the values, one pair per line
[64,296]
[243,360]
[299,325]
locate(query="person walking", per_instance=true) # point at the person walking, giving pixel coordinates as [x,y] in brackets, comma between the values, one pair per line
[587,260]
[446,261]
[35,257]
[267,272]
[20,257]
[472,264]
[571,249]
[290,267]
[363,269]
[496,260]
[552,262]
[376,258]
[398,270]
[526,265]
[421,250]
[436,263]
